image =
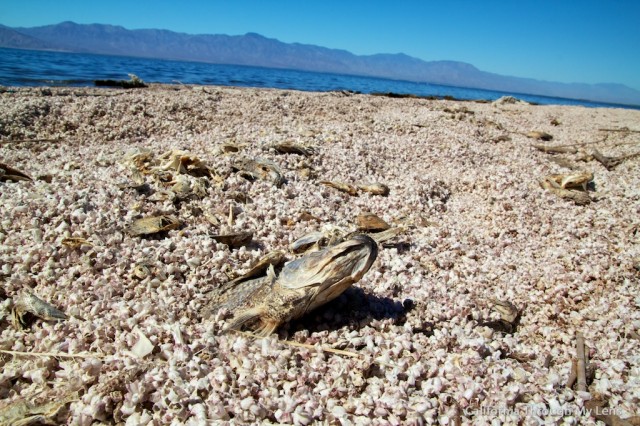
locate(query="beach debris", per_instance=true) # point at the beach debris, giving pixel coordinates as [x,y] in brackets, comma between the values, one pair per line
[259,169]
[162,195]
[317,240]
[152,225]
[229,148]
[303,284]
[611,162]
[600,408]
[563,162]
[9,174]
[372,188]
[341,186]
[375,188]
[509,100]
[75,242]
[608,162]
[293,148]
[536,134]
[165,166]
[274,259]
[140,160]
[558,149]
[305,216]
[581,364]
[311,240]
[370,222]
[183,162]
[560,185]
[45,408]
[234,240]
[143,345]
[134,82]
[508,316]
[29,303]
[141,270]
[501,138]
[185,186]
[181,186]
[572,180]
[306,171]
[384,236]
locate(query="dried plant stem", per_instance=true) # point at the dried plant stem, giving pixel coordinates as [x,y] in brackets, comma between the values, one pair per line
[573,374]
[620,130]
[313,347]
[608,162]
[53,354]
[7,141]
[582,363]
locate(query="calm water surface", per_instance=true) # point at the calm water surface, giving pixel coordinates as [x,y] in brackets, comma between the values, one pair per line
[42,68]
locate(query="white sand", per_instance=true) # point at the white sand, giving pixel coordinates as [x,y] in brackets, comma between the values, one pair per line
[481,229]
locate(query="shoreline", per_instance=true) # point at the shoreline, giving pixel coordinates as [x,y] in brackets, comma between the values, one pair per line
[422,332]
[519,96]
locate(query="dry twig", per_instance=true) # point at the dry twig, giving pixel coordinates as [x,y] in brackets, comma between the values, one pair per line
[581,363]
[53,354]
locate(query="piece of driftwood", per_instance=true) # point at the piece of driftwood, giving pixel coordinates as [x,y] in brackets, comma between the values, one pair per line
[623,130]
[559,149]
[8,173]
[581,365]
[573,374]
[608,162]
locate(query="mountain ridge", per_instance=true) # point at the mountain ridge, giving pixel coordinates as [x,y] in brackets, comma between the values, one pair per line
[254,49]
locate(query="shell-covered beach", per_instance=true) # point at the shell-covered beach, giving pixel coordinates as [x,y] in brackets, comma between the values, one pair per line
[422,338]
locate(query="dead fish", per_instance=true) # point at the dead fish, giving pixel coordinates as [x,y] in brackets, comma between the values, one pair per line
[141,270]
[43,408]
[304,284]
[153,224]
[341,186]
[572,180]
[138,158]
[508,314]
[292,148]
[578,197]
[184,162]
[307,241]
[75,242]
[259,169]
[181,186]
[371,223]
[162,195]
[539,135]
[381,237]
[274,258]
[375,188]
[9,174]
[28,303]
[235,240]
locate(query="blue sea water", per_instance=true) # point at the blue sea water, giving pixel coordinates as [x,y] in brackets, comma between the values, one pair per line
[45,68]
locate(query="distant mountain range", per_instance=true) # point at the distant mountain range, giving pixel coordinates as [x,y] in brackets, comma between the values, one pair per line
[254,49]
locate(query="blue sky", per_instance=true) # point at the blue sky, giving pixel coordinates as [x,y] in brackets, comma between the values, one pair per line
[586,41]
